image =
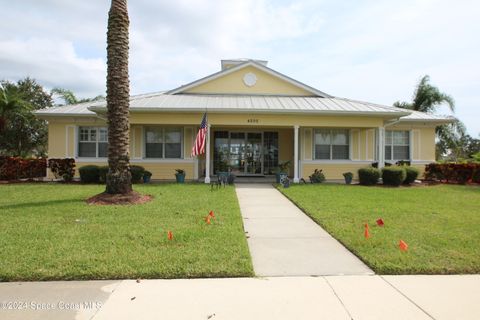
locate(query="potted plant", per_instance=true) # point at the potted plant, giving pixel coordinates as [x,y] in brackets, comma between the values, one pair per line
[348,177]
[285,182]
[147,175]
[282,171]
[180,175]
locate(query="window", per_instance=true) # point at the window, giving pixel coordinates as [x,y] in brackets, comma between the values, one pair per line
[397,145]
[332,144]
[93,142]
[163,142]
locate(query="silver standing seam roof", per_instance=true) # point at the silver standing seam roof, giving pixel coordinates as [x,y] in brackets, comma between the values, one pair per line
[163,102]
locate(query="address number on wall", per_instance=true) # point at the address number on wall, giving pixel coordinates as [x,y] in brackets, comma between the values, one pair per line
[252,120]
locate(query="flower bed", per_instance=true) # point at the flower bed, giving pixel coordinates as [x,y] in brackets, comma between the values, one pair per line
[15,168]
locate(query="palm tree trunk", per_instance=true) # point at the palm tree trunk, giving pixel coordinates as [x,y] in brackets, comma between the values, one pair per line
[119,180]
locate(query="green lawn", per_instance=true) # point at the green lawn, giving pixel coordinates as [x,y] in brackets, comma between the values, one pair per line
[440,224]
[48,232]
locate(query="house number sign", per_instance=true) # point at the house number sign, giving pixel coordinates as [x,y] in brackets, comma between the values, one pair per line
[252,120]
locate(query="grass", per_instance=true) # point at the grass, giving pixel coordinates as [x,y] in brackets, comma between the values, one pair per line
[48,232]
[440,224]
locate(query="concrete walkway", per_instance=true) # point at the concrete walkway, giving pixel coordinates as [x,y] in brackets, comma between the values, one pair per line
[283,241]
[330,297]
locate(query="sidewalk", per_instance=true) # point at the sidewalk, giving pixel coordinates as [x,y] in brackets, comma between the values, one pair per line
[283,241]
[326,297]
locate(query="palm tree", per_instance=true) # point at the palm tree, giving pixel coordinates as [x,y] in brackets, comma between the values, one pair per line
[69,97]
[427,98]
[10,102]
[119,179]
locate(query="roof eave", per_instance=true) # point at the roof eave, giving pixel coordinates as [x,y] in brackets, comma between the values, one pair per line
[261,111]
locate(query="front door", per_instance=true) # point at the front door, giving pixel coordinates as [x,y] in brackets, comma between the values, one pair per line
[240,152]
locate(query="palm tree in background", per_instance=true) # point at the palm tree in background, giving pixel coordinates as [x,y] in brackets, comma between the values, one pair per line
[119,180]
[427,98]
[69,97]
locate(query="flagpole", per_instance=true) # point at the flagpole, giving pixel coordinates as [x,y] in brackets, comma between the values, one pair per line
[207,151]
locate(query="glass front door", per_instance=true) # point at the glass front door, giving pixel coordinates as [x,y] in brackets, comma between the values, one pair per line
[243,152]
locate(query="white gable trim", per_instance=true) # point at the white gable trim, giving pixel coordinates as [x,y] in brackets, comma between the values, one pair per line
[244,65]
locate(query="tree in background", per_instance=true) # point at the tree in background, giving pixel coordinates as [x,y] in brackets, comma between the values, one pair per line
[21,132]
[427,98]
[69,97]
[119,179]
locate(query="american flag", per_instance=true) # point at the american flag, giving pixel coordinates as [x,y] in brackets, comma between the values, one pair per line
[199,145]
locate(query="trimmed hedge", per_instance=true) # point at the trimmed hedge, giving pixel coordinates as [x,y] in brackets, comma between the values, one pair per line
[14,168]
[411,174]
[453,172]
[62,168]
[393,176]
[89,174]
[137,173]
[102,172]
[368,176]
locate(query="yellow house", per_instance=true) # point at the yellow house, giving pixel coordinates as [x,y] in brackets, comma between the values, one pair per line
[257,118]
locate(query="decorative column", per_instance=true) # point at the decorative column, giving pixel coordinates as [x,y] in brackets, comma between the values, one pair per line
[207,156]
[295,155]
[381,147]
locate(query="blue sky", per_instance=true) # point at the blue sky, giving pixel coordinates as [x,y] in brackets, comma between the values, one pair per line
[367,50]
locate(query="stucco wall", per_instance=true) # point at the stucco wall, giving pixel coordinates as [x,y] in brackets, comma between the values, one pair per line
[233,83]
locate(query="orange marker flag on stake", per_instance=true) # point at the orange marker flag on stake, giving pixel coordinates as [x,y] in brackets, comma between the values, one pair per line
[207,219]
[380,222]
[367,231]
[403,245]
[211,214]
[170,235]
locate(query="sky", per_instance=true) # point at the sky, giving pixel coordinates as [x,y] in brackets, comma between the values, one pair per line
[374,51]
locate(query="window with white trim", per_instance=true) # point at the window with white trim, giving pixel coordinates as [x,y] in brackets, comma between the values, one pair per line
[332,144]
[163,143]
[397,145]
[92,142]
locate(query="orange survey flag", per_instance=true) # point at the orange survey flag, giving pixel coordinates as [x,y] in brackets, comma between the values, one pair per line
[211,214]
[367,231]
[380,222]
[207,219]
[169,235]
[403,245]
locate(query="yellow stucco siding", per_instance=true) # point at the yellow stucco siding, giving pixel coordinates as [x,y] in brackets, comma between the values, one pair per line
[232,83]
[285,147]
[246,120]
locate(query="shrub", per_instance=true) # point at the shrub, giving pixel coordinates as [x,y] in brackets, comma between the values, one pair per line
[393,176]
[368,176]
[102,174]
[452,172]
[13,168]
[411,174]
[62,168]
[89,174]
[317,176]
[137,173]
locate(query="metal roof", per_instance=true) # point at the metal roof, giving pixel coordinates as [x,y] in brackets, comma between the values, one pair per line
[160,101]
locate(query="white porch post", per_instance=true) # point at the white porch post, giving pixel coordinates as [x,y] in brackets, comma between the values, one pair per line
[207,156]
[381,147]
[295,155]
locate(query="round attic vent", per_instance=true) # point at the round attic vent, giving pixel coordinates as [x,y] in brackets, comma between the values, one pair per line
[250,79]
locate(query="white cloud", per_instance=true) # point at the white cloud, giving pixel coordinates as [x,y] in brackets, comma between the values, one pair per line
[53,63]
[370,50]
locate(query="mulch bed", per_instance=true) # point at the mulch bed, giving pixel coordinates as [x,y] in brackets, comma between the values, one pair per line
[119,199]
